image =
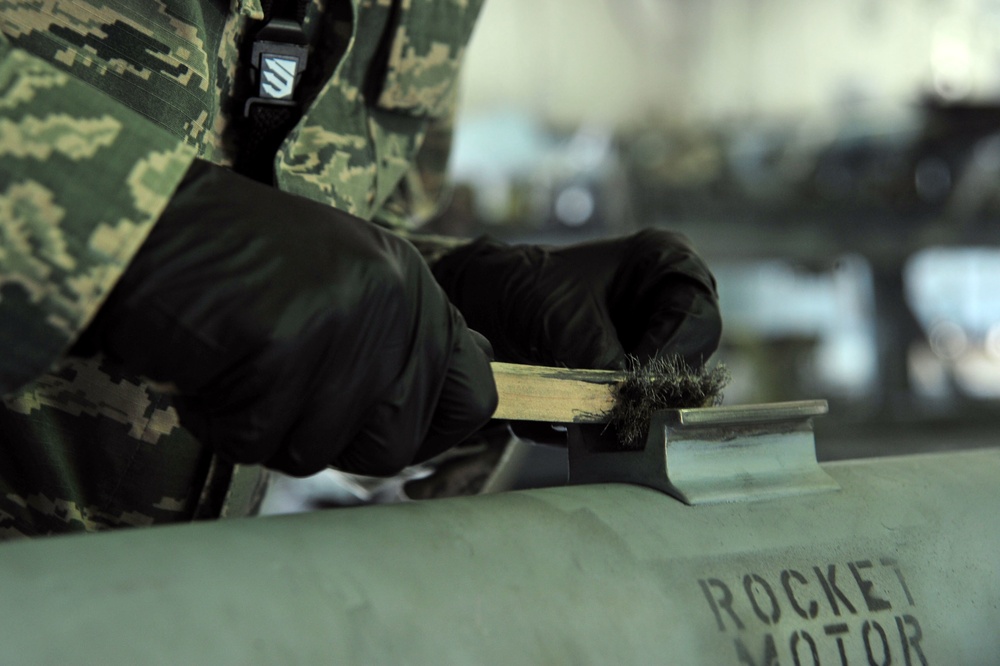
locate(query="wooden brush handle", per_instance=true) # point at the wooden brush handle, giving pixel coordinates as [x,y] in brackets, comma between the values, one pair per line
[555,395]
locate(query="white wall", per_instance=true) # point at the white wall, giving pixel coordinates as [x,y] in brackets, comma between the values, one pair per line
[620,60]
[566,60]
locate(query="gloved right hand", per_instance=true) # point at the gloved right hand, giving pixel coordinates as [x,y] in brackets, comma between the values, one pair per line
[296,335]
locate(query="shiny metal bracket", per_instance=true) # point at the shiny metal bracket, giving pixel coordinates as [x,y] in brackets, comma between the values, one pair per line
[712,455]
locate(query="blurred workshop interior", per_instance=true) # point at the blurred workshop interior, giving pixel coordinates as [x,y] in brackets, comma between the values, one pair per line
[836,162]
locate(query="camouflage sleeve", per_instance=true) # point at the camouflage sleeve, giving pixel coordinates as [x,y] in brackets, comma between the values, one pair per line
[423,194]
[421,80]
[82,180]
[423,191]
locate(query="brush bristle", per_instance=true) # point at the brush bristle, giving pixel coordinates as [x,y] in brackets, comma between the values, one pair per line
[665,382]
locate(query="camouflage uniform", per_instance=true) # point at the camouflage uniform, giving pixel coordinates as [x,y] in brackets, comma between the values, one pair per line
[103,105]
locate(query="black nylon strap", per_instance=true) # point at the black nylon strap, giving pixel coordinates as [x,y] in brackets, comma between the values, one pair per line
[293,10]
[265,128]
[266,125]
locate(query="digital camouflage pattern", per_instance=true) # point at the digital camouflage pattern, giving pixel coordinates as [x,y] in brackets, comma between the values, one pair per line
[103,105]
[358,140]
[84,449]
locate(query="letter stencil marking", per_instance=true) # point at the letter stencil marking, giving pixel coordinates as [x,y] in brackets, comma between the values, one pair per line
[724,602]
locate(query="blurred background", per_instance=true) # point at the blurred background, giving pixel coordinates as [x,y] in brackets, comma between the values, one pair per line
[837,163]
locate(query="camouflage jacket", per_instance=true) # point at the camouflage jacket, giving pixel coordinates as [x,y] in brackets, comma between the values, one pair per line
[103,105]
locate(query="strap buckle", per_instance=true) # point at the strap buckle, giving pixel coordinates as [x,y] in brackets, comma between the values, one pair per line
[278,58]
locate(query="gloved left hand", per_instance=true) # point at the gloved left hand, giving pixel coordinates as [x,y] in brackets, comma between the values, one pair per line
[588,305]
[295,335]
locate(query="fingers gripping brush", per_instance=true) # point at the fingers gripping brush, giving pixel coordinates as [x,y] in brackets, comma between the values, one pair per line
[625,400]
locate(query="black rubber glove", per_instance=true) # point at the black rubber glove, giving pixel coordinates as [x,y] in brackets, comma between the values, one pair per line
[297,336]
[587,305]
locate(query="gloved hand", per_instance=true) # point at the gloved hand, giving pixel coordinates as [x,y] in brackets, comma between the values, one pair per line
[296,335]
[587,305]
